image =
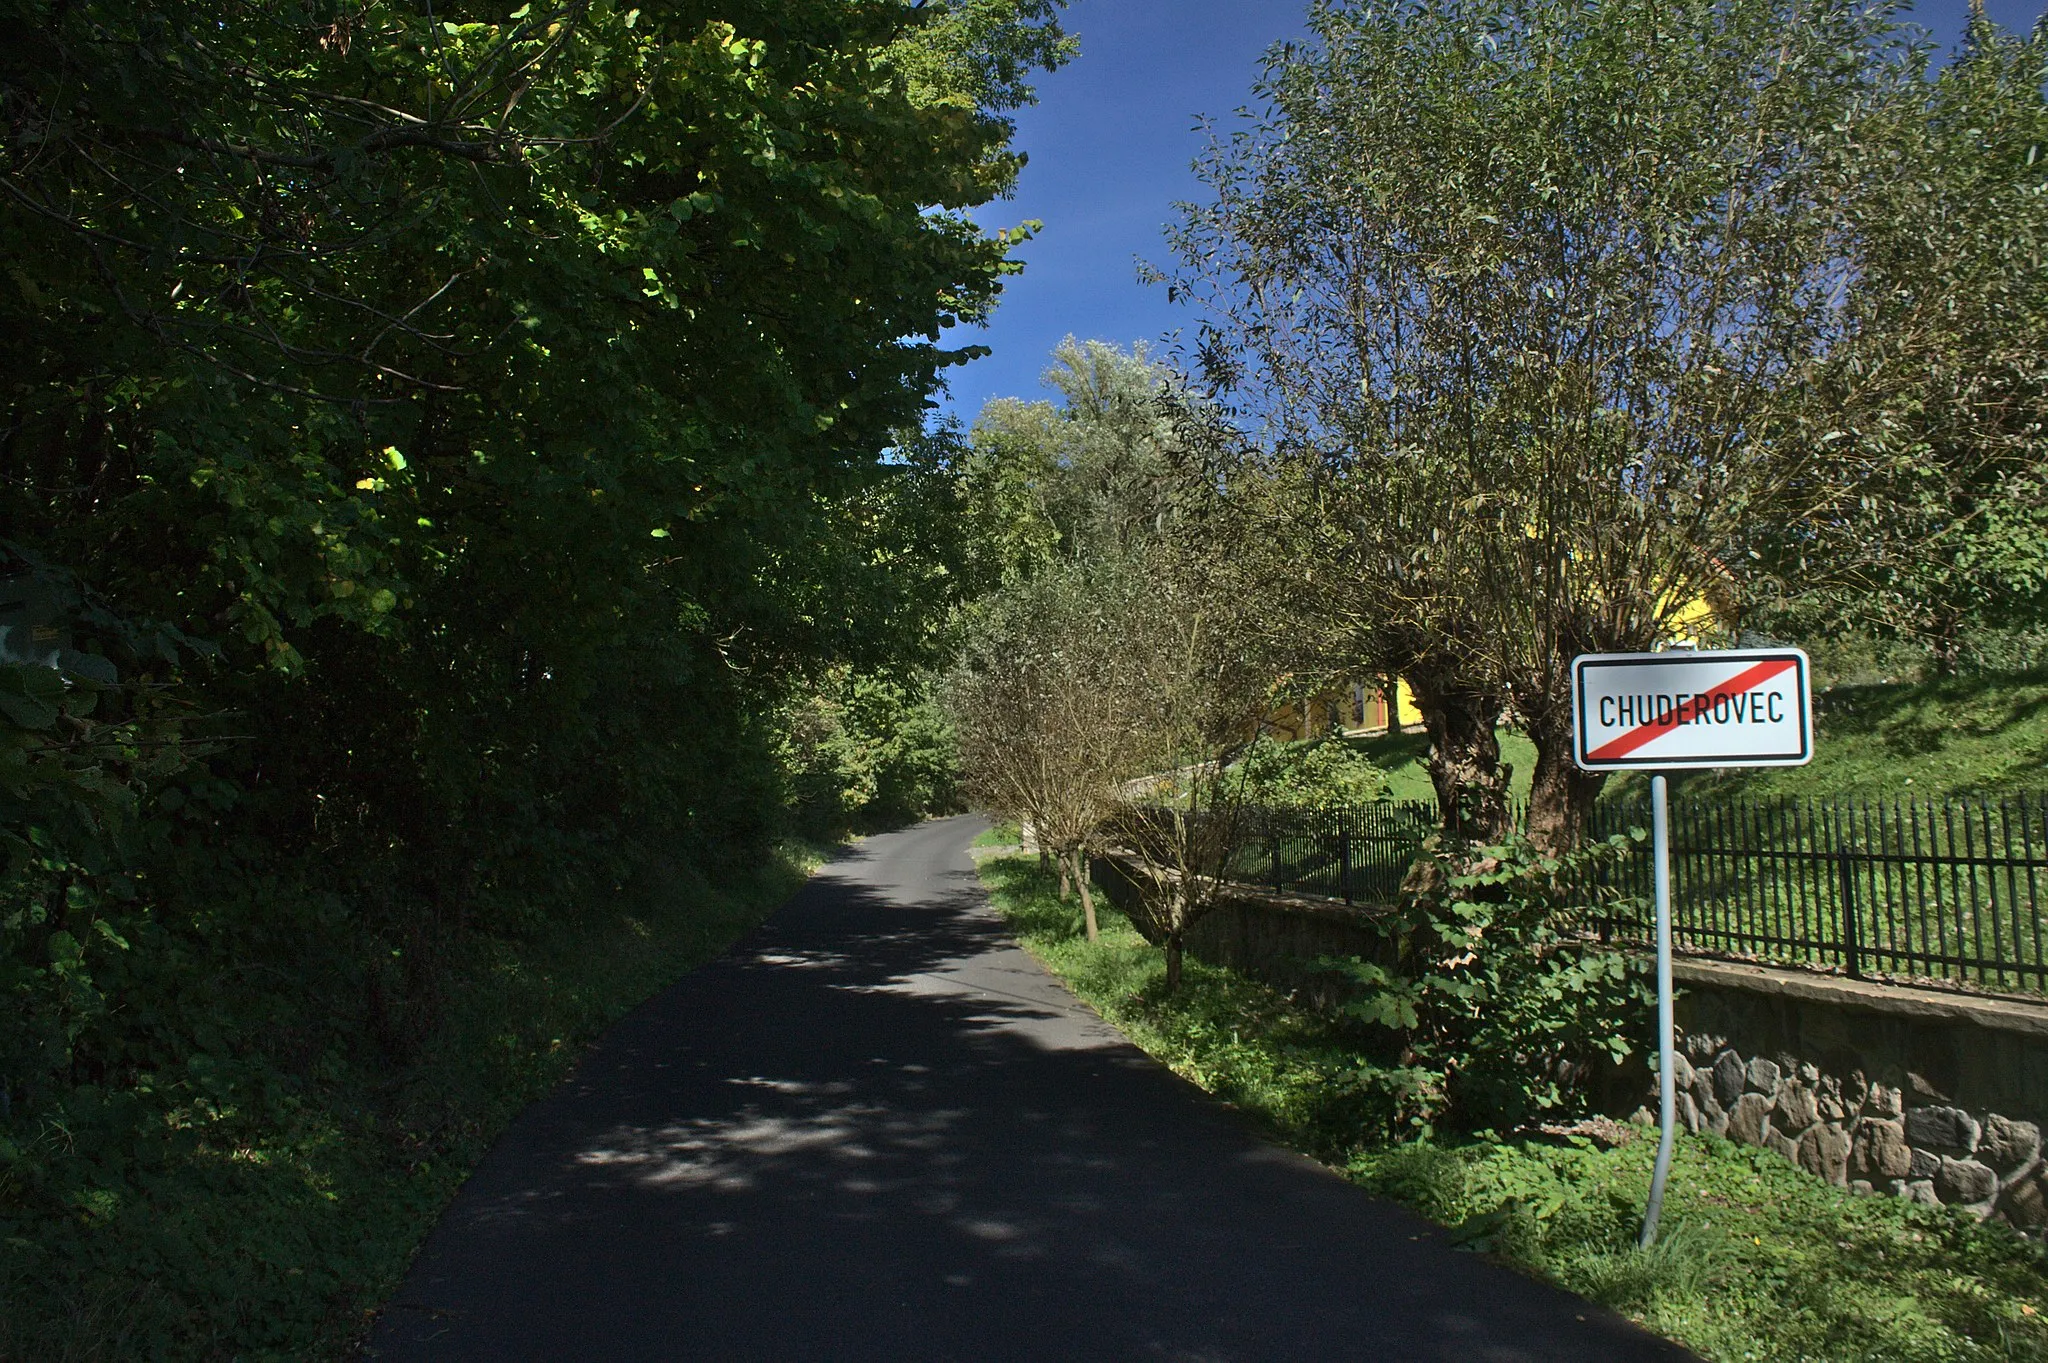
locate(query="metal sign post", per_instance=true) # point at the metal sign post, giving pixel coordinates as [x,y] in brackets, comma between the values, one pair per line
[1659,711]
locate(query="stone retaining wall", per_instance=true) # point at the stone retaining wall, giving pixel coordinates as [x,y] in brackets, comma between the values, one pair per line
[1923,1094]
[1929,1096]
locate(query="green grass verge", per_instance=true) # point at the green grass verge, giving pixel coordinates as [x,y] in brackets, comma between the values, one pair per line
[999,835]
[1758,1261]
[273,1225]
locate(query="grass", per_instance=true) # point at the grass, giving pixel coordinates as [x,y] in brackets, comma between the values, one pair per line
[999,835]
[1404,757]
[272,1223]
[1758,1260]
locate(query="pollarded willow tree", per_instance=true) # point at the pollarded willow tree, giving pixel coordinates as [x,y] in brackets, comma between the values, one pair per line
[1516,286]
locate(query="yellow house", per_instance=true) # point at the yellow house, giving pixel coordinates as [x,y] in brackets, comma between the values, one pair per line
[1360,708]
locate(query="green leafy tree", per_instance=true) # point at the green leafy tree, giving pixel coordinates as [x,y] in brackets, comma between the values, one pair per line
[1514,287]
[1924,510]
[1094,475]
[512,397]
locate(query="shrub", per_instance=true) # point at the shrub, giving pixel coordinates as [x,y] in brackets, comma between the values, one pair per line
[1316,773]
[1497,1004]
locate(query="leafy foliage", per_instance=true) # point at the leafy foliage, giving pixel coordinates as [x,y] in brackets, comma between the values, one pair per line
[1924,513]
[1315,773]
[861,749]
[1497,999]
[521,404]
[1515,301]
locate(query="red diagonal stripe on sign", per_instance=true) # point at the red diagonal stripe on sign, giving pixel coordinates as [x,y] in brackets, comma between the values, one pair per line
[1745,680]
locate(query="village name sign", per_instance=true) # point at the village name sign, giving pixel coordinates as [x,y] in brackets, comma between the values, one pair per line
[1685,708]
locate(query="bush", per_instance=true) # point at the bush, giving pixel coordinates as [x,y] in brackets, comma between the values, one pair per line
[1496,1005]
[1315,773]
[862,751]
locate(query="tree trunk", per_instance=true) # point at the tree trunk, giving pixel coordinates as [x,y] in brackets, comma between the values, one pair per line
[1560,795]
[1087,899]
[1945,645]
[1066,887]
[1464,756]
[1173,955]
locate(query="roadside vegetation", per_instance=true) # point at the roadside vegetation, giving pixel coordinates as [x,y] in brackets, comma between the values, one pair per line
[274,1208]
[468,504]
[1758,1260]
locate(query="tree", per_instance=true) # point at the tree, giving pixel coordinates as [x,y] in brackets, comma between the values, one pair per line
[1093,476]
[1515,286]
[507,393]
[1925,511]
[1048,699]
[1206,685]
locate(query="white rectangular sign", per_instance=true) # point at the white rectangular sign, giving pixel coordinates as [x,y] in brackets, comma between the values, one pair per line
[1732,708]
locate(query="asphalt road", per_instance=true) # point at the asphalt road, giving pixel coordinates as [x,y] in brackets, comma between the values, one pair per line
[876,1129]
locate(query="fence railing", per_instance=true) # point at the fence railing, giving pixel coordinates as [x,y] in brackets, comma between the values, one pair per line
[1947,890]
[1356,854]
[1944,890]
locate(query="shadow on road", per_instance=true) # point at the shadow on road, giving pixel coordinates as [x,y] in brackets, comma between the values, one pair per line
[876,1129]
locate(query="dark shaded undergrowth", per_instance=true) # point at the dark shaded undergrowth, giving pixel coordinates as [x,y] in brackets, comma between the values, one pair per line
[271,1209]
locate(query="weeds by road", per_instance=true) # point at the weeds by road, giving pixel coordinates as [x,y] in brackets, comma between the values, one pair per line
[1759,1260]
[273,1222]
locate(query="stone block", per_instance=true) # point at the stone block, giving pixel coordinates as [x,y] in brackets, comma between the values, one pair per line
[2007,1145]
[1824,1151]
[1747,1118]
[1687,1112]
[2025,1202]
[1881,1151]
[1702,1089]
[1949,1130]
[1729,1076]
[1923,1089]
[1797,1106]
[1762,1075]
[1965,1181]
[1855,1087]
[1862,1187]
[1884,1101]
[1681,1071]
[1780,1144]
[1922,1192]
[1714,1116]
[1924,1165]
[1809,1073]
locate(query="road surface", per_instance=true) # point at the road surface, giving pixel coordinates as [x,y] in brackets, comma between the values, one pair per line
[876,1129]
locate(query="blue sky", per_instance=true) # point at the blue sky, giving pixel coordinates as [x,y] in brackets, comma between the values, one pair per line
[1110,143]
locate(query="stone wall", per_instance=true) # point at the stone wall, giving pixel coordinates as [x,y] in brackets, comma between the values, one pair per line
[1924,1095]
[1928,1095]
[1277,938]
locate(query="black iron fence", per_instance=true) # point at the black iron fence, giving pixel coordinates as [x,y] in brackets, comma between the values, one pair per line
[1945,890]
[1358,854]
